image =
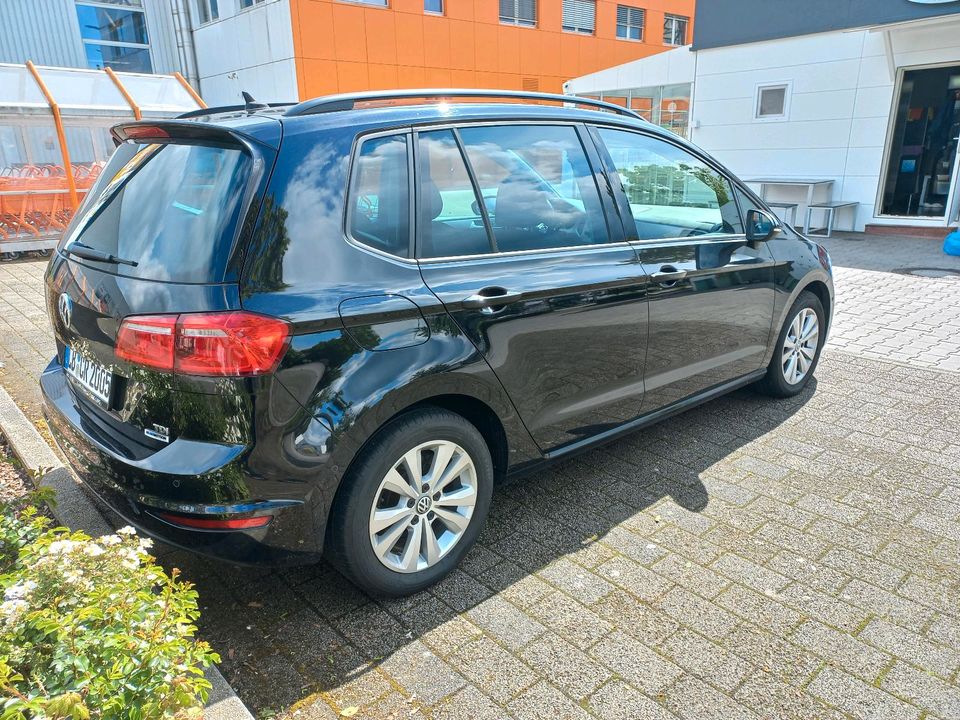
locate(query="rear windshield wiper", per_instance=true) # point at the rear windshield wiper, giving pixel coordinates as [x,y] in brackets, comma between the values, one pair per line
[89,253]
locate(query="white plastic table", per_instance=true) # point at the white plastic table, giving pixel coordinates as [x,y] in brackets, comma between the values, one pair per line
[810,183]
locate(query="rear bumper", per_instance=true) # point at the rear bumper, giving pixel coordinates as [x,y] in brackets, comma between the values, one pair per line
[187,477]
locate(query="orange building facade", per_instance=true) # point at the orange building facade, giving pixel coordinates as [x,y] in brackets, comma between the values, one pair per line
[342,46]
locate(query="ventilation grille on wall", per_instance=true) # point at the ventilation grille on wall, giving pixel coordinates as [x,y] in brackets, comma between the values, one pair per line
[531,84]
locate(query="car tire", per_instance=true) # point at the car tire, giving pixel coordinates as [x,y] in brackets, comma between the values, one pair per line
[795,357]
[430,536]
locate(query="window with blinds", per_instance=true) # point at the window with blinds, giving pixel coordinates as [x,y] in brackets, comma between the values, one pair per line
[629,22]
[580,16]
[675,30]
[518,12]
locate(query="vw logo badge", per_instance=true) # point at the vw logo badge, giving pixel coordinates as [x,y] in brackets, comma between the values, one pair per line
[65,308]
[423,504]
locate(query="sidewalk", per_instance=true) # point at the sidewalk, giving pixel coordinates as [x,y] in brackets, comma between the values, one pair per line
[26,342]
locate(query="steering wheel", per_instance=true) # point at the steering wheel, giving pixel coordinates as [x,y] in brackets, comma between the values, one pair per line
[366,207]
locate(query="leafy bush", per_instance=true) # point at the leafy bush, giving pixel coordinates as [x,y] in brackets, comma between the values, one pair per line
[93,629]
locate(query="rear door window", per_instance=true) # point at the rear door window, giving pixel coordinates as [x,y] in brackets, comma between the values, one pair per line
[379,214]
[451,223]
[537,186]
[170,208]
[671,192]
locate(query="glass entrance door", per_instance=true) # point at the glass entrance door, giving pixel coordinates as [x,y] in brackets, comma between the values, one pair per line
[923,151]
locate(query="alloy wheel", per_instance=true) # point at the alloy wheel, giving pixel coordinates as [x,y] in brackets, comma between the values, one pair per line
[800,346]
[423,506]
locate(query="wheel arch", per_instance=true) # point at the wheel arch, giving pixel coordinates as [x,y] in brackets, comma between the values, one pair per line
[481,416]
[819,283]
[482,402]
[822,291]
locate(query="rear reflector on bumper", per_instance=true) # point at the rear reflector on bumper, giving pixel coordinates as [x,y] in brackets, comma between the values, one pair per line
[231,344]
[204,523]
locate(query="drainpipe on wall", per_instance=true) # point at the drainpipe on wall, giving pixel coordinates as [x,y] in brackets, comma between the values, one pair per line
[183,29]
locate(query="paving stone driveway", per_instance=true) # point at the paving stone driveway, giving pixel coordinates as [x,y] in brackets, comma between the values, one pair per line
[750,558]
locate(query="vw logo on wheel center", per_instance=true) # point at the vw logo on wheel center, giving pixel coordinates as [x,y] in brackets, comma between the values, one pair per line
[423,504]
[65,308]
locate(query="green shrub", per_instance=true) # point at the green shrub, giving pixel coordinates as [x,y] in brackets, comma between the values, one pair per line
[93,628]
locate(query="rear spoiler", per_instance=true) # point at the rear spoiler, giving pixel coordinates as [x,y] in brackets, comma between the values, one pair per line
[262,131]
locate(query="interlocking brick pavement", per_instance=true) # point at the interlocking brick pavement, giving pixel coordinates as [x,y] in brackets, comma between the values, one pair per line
[26,344]
[751,558]
[895,316]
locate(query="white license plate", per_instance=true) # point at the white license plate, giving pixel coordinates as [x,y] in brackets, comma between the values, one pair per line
[89,374]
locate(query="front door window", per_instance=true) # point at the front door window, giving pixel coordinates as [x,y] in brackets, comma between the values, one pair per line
[923,150]
[671,192]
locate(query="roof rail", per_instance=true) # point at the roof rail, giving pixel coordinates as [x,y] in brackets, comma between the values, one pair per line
[348,101]
[226,108]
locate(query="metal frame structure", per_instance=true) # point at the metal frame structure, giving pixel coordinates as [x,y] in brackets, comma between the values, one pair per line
[61,135]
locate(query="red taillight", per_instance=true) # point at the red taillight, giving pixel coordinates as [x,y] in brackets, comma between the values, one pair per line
[147,340]
[235,344]
[204,523]
[231,343]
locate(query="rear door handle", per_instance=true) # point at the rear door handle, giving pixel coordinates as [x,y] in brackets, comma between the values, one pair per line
[668,275]
[491,297]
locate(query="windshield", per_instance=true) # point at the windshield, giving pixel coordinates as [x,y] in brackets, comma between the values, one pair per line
[170,208]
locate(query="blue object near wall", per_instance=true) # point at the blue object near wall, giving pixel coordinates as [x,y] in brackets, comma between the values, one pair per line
[951,245]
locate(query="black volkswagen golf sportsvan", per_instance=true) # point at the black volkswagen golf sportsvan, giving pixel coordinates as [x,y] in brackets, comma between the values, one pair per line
[332,327]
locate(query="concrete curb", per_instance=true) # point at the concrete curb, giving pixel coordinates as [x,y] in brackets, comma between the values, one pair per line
[75,510]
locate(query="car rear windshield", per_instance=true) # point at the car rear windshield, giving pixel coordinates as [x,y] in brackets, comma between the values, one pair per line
[170,208]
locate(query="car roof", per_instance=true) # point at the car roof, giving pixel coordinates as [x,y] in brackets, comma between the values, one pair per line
[365,112]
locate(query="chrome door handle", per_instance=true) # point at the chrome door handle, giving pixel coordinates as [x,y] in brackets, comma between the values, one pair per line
[668,276]
[490,298]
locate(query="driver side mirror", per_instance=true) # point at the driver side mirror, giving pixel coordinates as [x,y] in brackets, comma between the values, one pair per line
[761,226]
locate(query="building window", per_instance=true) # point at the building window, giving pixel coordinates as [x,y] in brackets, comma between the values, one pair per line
[580,16]
[207,10]
[433,6]
[675,30]
[629,23]
[115,37]
[518,12]
[772,101]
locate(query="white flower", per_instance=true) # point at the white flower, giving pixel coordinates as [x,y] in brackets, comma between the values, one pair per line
[19,591]
[127,530]
[93,550]
[62,547]
[109,540]
[10,609]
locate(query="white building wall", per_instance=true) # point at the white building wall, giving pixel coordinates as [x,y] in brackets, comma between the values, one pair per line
[841,102]
[840,99]
[162,36]
[248,50]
